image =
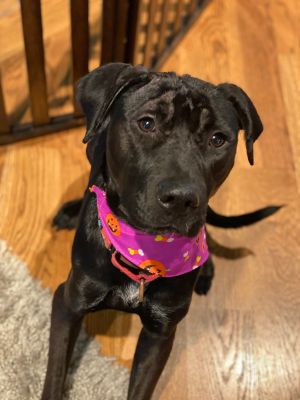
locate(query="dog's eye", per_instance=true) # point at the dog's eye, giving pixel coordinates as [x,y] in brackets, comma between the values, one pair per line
[147,124]
[218,139]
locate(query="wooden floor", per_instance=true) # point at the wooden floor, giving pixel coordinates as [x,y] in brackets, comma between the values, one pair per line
[242,341]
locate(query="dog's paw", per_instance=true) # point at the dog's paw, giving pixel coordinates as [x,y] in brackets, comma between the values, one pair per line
[206,277]
[203,285]
[67,216]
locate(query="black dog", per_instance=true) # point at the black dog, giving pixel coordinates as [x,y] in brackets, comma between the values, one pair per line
[160,145]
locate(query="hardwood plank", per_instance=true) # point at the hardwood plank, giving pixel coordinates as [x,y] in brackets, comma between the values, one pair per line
[211,44]
[174,41]
[285,17]
[265,86]
[289,75]
[34,49]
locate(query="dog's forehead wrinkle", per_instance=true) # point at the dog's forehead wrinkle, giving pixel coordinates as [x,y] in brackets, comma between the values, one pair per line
[159,83]
[171,78]
[205,118]
[198,84]
[170,89]
[148,99]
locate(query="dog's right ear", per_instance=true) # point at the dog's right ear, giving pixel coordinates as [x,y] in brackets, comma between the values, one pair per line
[97,91]
[249,119]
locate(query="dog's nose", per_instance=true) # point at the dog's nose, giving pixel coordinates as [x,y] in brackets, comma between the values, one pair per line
[178,197]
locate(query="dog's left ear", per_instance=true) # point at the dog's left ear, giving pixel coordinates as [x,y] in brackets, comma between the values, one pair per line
[249,119]
[97,91]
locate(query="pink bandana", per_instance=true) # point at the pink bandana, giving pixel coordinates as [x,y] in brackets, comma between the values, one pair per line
[162,255]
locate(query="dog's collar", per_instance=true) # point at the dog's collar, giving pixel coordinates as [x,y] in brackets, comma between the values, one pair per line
[144,257]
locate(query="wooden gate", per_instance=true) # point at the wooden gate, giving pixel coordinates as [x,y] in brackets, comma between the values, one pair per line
[132,31]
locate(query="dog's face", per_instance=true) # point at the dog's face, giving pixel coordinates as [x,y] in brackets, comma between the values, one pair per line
[169,141]
[168,149]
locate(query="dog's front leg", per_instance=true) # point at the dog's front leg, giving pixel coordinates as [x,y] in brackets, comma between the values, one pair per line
[151,355]
[65,326]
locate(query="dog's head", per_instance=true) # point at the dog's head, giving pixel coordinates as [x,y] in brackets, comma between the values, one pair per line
[162,144]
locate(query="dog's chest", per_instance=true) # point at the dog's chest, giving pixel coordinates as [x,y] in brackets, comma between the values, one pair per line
[128,295]
[126,298]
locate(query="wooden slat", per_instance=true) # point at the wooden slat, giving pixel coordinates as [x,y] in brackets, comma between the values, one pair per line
[80,42]
[150,30]
[4,126]
[120,31]
[34,49]
[179,15]
[135,51]
[163,27]
[132,29]
[28,131]
[192,6]
[108,26]
[115,26]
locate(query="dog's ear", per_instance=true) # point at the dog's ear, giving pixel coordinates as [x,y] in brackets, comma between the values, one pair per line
[97,91]
[249,119]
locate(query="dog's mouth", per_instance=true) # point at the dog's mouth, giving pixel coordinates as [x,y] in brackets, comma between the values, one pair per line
[184,227]
[189,230]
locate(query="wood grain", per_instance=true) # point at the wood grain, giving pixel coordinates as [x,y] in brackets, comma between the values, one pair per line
[242,341]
